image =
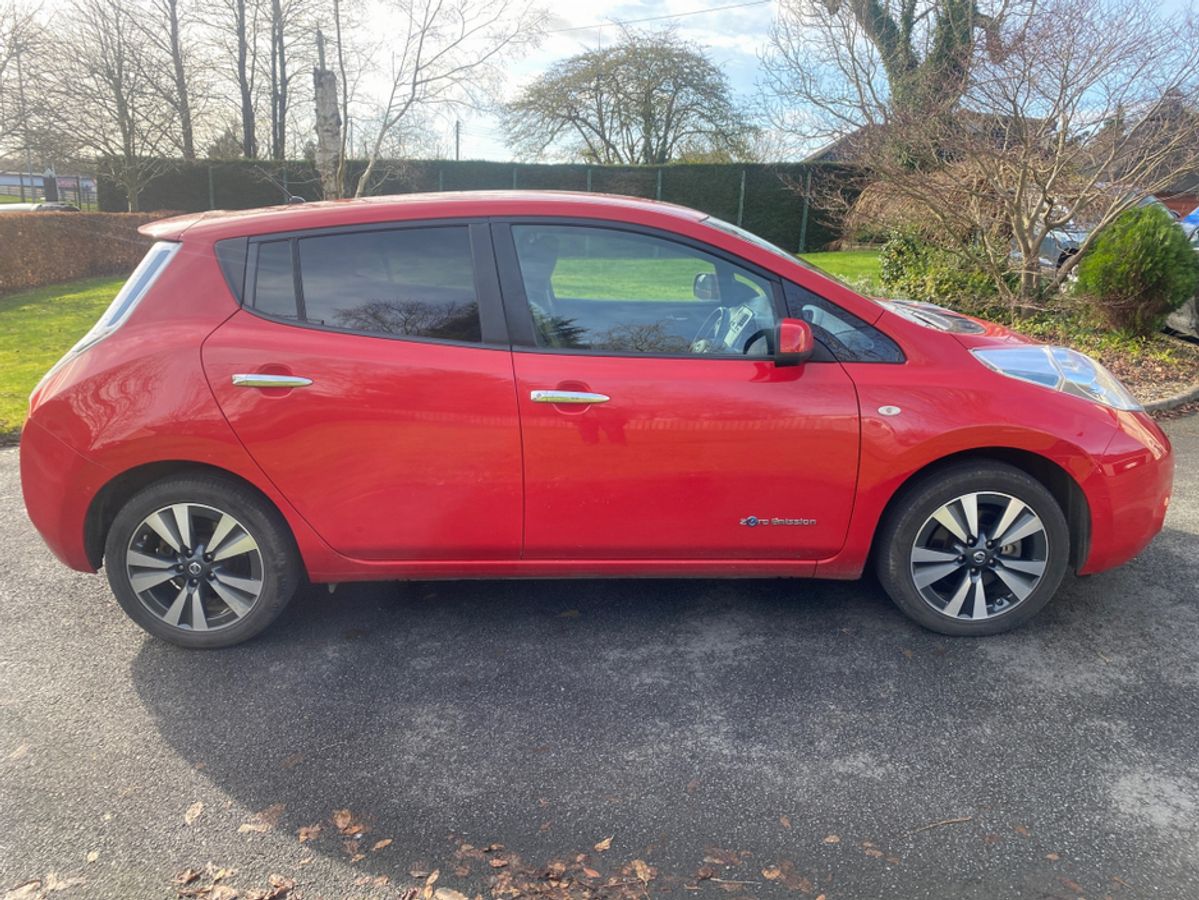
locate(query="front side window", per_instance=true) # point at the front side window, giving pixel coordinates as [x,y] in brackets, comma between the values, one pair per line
[603,289]
[408,283]
[847,337]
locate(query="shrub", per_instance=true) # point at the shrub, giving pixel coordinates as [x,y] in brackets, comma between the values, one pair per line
[1140,269]
[913,268]
[42,248]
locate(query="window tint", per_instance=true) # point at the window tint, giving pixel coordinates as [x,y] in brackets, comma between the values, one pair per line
[846,336]
[274,285]
[607,290]
[412,282]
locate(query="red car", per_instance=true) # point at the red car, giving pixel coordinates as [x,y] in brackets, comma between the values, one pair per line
[496,385]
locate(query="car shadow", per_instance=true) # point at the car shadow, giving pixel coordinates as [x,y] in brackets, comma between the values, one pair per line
[547,714]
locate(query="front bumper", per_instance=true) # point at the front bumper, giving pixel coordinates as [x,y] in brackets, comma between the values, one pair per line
[59,485]
[1128,493]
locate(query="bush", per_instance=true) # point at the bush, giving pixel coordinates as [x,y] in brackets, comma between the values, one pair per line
[1140,269]
[913,268]
[43,248]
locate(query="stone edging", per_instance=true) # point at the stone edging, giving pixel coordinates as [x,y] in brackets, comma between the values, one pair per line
[1186,396]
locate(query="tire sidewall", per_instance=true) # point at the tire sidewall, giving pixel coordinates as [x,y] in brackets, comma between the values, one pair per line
[919,502]
[280,567]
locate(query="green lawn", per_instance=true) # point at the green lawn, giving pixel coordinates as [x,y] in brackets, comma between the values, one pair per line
[858,267]
[36,328]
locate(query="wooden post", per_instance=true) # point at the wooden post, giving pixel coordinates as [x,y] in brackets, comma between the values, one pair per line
[741,200]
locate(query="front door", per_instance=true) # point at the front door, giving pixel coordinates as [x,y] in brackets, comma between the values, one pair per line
[394,429]
[654,423]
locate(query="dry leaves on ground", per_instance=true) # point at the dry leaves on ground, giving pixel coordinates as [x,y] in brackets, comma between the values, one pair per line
[605,844]
[193,812]
[263,820]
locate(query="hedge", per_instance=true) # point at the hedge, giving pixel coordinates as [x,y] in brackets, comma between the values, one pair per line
[772,208]
[39,248]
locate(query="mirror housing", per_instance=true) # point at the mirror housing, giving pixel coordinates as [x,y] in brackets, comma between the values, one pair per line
[705,286]
[793,342]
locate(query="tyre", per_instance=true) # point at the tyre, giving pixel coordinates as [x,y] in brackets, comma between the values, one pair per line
[974,549]
[201,561]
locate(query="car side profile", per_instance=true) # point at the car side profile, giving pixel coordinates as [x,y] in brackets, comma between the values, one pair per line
[522,384]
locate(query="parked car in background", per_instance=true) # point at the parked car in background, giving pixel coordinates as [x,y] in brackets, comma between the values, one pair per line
[40,206]
[1185,319]
[524,384]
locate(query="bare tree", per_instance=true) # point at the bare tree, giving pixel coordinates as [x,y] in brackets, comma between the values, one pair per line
[105,91]
[22,40]
[1073,123]
[168,28]
[646,100]
[448,54]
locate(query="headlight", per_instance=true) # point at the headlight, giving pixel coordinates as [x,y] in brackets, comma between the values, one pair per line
[1060,369]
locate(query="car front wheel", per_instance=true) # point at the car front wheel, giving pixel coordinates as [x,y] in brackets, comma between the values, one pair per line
[201,561]
[974,549]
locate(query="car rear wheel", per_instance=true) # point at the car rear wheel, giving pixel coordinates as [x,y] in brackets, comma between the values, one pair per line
[975,549]
[201,561]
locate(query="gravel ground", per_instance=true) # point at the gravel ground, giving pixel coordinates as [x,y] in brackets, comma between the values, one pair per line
[803,726]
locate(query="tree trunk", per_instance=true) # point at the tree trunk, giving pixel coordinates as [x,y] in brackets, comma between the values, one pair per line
[182,104]
[249,144]
[328,125]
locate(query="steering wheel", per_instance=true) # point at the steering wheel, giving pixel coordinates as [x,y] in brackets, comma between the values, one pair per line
[712,333]
[762,334]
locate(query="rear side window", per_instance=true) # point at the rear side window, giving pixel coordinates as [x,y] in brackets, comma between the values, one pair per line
[275,282]
[408,282]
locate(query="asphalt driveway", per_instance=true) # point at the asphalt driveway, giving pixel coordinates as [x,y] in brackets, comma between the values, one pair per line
[739,739]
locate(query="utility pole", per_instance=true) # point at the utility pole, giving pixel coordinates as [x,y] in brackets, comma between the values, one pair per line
[457,139]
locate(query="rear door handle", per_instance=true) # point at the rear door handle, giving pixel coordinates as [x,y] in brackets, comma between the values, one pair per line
[270,381]
[563,397]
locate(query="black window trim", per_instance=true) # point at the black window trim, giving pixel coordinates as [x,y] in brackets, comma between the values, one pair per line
[520,318]
[494,334]
[790,285]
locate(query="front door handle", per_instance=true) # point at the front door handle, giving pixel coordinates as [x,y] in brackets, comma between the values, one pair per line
[259,380]
[563,397]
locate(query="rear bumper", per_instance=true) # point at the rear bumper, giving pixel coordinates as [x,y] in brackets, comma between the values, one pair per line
[58,485]
[1128,493]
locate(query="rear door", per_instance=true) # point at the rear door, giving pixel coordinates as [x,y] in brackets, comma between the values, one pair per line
[369,376]
[654,424]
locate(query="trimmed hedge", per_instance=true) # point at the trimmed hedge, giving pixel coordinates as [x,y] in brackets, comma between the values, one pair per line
[39,248]
[773,208]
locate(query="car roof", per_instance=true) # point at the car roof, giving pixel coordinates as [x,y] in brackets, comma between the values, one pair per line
[220,224]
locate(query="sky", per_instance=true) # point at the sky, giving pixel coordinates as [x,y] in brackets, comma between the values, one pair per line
[732,38]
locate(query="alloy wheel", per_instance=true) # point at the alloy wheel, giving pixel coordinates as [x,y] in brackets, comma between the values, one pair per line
[195,567]
[979,556]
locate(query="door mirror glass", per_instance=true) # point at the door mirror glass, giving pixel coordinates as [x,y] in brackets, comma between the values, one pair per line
[705,287]
[793,342]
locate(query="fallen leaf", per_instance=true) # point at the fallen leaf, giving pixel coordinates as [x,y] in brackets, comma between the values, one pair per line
[493,848]
[644,873]
[693,785]
[53,883]
[419,871]
[498,862]
[704,873]
[379,845]
[1021,829]
[873,852]
[187,876]
[264,819]
[545,826]
[832,839]
[290,762]
[462,871]
[193,812]
[991,839]
[1052,857]
[1072,886]
[785,821]
[27,891]
[590,873]
[308,833]
[216,873]
[93,855]
[222,892]
[444,893]
[604,844]
[427,890]
[21,750]
[772,873]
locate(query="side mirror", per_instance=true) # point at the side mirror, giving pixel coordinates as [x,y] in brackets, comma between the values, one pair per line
[793,342]
[705,287]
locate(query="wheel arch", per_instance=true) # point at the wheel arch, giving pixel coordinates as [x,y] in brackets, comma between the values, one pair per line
[115,493]
[1060,483]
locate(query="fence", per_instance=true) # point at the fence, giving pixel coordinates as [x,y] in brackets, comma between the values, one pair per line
[19,187]
[772,200]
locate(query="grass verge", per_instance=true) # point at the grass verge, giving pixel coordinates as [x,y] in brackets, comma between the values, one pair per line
[36,328]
